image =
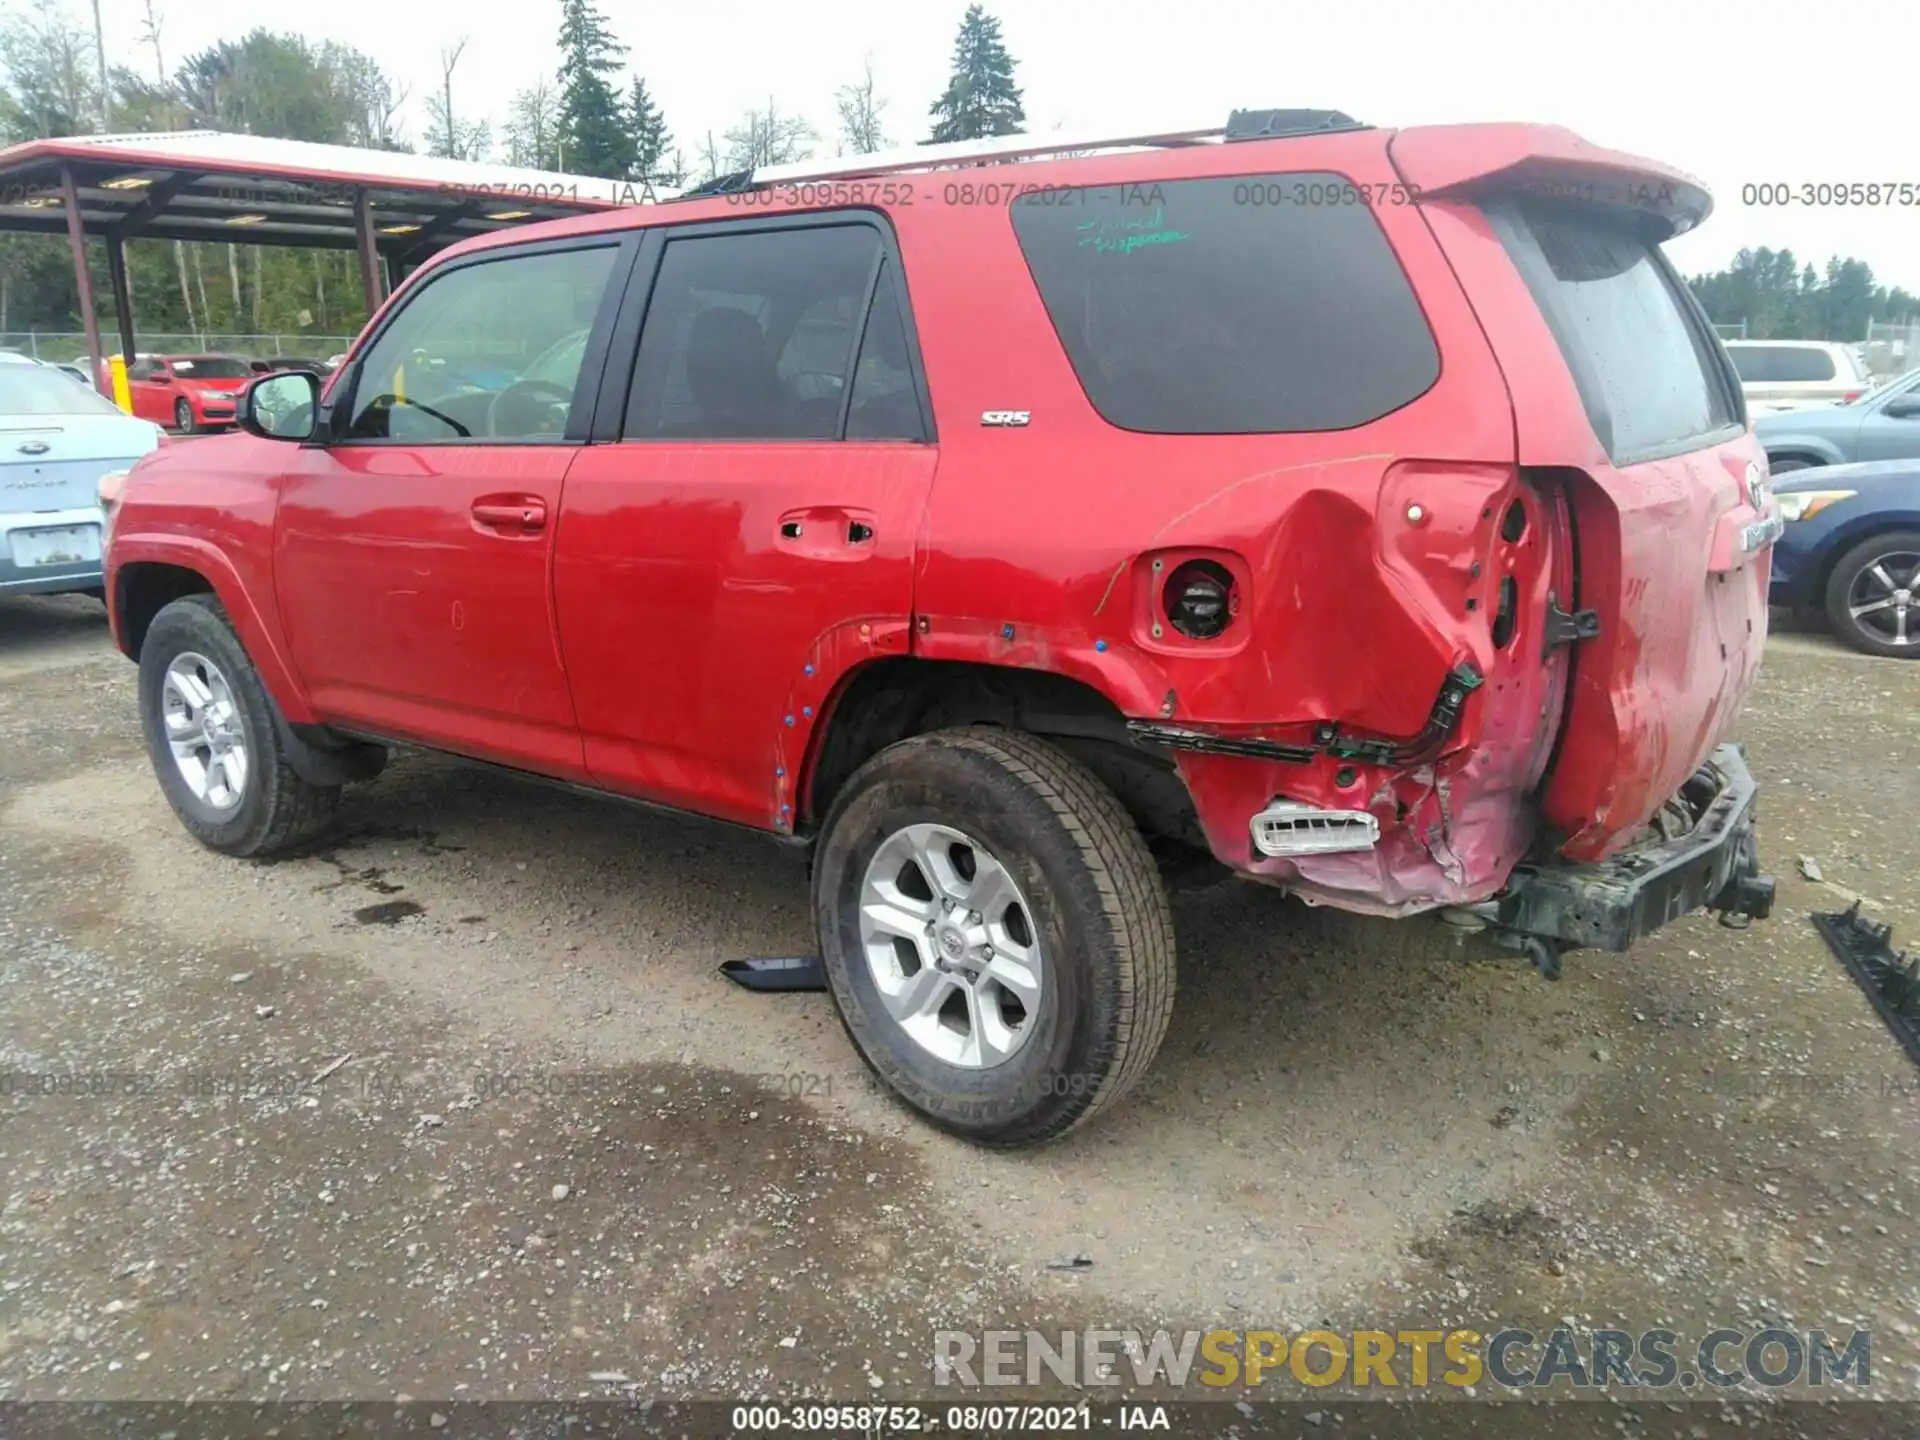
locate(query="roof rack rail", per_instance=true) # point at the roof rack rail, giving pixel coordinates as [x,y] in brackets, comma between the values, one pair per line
[1241,125]
[730,184]
[960,152]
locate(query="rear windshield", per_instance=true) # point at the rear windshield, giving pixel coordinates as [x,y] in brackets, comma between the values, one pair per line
[39,390]
[1646,369]
[1781,362]
[1228,306]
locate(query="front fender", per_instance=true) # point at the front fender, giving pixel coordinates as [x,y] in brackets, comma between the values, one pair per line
[259,637]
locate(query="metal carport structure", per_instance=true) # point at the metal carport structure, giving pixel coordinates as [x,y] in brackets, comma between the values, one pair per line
[395,209]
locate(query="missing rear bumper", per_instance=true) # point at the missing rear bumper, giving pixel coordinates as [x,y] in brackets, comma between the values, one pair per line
[1713,865]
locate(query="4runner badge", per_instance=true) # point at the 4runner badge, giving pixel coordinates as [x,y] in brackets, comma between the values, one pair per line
[1005,417]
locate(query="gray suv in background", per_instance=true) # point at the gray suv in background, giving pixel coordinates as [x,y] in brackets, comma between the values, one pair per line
[1883,425]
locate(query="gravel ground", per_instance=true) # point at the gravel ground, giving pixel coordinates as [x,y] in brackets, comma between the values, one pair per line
[457,1106]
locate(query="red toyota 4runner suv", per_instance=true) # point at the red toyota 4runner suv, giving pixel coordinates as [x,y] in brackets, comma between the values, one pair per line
[1372,512]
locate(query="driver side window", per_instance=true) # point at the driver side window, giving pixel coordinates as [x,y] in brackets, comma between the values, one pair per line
[489,351]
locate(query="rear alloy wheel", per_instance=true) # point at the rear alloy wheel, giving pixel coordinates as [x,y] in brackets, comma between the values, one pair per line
[183,417]
[995,933]
[213,739]
[1873,595]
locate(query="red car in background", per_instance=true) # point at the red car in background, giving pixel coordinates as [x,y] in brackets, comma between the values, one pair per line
[188,392]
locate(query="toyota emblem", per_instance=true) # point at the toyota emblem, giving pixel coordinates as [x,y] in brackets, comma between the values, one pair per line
[34,447]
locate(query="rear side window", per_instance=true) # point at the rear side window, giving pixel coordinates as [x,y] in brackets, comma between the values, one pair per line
[1644,365]
[1762,364]
[765,335]
[1223,307]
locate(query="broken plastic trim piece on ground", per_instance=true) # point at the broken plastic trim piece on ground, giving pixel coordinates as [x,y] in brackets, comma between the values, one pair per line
[1891,980]
[777,972]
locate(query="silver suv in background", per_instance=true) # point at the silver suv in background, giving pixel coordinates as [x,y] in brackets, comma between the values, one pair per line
[1791,374]
[1882,425]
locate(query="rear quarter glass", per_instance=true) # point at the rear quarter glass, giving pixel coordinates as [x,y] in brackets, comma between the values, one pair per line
[1232,305]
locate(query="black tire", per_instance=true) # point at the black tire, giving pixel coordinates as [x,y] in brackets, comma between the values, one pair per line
[1096,905]
[1786,464]
[183,416]
[1872,551]
[276,809]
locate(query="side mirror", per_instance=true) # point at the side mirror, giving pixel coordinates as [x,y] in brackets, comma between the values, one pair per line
[280,406]
[1901,407]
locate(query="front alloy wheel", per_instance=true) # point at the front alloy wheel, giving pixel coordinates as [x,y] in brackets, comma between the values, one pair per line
[208,741]
[215,740]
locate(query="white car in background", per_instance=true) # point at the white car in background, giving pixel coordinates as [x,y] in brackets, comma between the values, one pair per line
[57,439]
[1793,374]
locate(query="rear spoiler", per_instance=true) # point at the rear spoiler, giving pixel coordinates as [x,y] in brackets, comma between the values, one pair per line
[1444,161]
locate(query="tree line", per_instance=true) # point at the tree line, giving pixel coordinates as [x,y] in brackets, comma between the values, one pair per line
[1779,298]
[593,116]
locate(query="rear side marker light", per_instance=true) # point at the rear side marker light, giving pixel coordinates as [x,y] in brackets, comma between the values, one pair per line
[1287,827]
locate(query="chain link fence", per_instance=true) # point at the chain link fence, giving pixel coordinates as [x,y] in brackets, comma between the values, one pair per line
[61,345]
[1892,348]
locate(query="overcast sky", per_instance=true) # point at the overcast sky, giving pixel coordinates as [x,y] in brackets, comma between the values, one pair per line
[1696,83]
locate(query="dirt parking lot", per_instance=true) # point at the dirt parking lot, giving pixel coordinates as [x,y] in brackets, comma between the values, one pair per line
[458,1106]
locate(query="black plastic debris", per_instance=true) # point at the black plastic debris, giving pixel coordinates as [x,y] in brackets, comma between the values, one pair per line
[1890,978]
[777,972]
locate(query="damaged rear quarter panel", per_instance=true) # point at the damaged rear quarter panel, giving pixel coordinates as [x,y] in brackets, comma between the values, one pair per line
[1040,539]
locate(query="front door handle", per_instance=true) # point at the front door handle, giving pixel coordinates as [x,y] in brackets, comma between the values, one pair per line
[522,514]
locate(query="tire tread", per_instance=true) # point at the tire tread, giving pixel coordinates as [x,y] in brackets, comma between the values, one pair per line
[1134,901]
[295,811]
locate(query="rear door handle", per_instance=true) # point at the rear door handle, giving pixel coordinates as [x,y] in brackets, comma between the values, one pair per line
[827,531]
[525,514]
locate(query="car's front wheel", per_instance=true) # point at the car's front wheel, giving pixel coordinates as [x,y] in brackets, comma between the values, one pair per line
[1873,595]
[183,416]
[995,933]
[1786,465]
[212,738]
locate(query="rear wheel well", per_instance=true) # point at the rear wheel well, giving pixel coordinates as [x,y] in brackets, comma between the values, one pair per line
[143,589]
[891,700]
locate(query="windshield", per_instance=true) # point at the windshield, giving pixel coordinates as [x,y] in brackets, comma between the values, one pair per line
[212,367]
[1886,388]
[32,390]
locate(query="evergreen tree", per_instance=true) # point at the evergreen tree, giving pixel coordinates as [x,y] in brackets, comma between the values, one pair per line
[594,135]
[981,98]
[651,139]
